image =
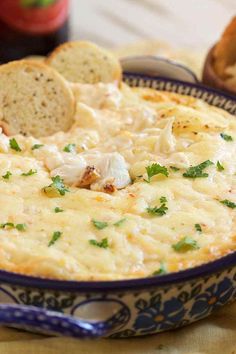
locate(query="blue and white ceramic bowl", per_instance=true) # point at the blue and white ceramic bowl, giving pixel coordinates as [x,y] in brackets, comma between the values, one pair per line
[158,66]
[119,309]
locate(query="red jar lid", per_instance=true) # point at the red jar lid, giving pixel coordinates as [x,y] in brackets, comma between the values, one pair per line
[35,17]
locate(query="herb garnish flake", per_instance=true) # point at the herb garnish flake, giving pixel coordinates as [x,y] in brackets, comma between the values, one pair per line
[228,203]
[219,166]
[7,175]
[185,244]
[70,148]
[197,171]
[157,211]
[56,188]
[102,244]
[161,271]
[175,169]
[21,227]
[30,173]
[10,225]
[55,236]
[226,137]
[119,222]
[198,227]
[154,170]
[14,145]
[36,146]
[58,210]
[99,224]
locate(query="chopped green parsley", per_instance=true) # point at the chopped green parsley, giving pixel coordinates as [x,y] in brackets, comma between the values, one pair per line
[101,244]
[7,175]
[154,170]
[30,173]
[120,222]
[198,227]
[70,148]
[36,146]
[55,236]
[99,224]
[21,227]
[173,168]
[56,189]
[185,244]
[226,137]
[197,171]
[162,270]
[14,145]
[158,211]
[163,200]
[10,225]
[228,203]
[58,210]
[219,166]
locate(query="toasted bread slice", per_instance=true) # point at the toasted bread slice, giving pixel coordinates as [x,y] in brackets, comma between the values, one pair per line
[224,54]
[85,62]
[34,99]
[40,58]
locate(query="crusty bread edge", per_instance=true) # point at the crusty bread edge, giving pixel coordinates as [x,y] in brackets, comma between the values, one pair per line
[223,49]
[41,65]
[48,69]
[53,54]
[37,63]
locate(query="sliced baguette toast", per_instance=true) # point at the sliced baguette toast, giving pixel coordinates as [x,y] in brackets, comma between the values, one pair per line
[85,62]
[224,53]
[34,99]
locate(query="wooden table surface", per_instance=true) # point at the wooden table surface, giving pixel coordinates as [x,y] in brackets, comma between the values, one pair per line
[183,23]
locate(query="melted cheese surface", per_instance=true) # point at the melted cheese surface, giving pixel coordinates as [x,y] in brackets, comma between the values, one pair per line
[121,132]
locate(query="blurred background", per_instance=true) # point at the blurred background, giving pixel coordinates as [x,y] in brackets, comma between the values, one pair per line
[182,23]
[183,30]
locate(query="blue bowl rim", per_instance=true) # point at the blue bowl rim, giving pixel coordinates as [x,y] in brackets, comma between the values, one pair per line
[201,86]
[204,270]
[160,58]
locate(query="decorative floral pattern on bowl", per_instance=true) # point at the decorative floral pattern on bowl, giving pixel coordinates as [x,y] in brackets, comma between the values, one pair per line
[120,309]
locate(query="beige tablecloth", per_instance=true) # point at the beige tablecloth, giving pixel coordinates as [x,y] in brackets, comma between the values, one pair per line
[214,335]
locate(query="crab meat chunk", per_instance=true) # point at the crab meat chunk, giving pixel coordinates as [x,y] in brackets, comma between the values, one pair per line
[113,171]
[71,170]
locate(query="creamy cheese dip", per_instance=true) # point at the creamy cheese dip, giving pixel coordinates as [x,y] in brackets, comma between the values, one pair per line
[130,206]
